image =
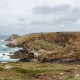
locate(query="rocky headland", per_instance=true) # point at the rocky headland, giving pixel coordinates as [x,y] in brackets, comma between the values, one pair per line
[55,47]
[13,37]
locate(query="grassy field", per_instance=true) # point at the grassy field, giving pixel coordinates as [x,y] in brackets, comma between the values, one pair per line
[38,71]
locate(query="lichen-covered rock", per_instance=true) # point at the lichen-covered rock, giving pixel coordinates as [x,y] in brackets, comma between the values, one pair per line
[57,46]
[19,54]
[60,38]
[64,38]
[12,37]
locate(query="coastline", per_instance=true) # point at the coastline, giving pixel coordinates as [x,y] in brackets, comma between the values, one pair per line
[39,60]
[55,47]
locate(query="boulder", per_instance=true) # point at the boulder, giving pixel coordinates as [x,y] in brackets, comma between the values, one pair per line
[24,60]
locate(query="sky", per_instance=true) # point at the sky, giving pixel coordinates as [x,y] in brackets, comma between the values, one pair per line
[31,16]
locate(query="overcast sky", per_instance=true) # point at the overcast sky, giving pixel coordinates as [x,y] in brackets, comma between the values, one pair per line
[29,16]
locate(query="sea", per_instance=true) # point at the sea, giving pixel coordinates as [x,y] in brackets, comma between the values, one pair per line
[4,50]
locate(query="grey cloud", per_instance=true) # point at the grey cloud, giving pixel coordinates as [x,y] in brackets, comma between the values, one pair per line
[3,4]
[21,19]
[54,22]
[49,9]
[75,13]
[60,21]
[64,21]
[65,15]
[17,16]
[40,23]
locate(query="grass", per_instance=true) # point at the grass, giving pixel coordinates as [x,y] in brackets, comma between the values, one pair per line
[46,43]
[42,44]
[1,69]
[37,71]
[70,77]
[29,71]
[19,70]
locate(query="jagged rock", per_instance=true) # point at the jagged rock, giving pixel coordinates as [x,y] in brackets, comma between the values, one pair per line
[12,37]
[11,53]
[3,54]
[60,38]
[10,45]
[51,43]
[64,38]
[36,55]
[24,60]
[19,54]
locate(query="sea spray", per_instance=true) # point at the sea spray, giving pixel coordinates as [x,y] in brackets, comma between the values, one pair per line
[4,51]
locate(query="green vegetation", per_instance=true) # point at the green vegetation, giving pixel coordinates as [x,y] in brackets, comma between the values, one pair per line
[1,69]
[42,44]
[38,71]
[59,49]
[45,43]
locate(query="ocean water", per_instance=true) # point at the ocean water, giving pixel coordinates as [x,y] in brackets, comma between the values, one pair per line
[6,50]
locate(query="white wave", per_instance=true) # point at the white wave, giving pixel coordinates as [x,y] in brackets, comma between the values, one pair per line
[4,46]
[5,57]
[4,54]
[15,49]
[2,40]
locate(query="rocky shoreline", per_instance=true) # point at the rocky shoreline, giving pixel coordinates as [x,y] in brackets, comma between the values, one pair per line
[58,47]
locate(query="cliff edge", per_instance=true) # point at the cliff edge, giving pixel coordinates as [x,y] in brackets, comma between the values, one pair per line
[48,47]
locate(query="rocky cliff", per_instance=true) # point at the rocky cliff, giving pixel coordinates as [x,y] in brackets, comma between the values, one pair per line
[13,37]
[60,38]
[48,47]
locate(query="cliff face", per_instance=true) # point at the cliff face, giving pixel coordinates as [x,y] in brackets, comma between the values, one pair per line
[48,46]
[58,38]
[13,37]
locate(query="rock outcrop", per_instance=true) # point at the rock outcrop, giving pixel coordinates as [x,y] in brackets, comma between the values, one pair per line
[60,38]
[48,47]
[13,37]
